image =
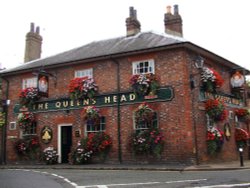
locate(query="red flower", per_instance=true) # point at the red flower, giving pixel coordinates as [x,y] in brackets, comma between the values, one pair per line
[241,112]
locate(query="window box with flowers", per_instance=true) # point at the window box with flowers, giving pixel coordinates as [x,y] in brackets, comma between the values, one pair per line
[211,79]
[215,140]
[94,145]
[241,137]
[147,142]
[215,110]
[25,120]
[144,84]
[28,96]
[81,88]
[91,115]
[144,113]
[242,114]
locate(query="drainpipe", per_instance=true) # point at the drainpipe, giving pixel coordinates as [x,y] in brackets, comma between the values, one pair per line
[118,109]
[5,109]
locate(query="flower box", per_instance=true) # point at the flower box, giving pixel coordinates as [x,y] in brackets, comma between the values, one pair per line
[143,84]
[81,88]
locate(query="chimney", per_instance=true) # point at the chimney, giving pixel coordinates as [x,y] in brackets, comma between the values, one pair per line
[33,46]
[173,22]
[132,24]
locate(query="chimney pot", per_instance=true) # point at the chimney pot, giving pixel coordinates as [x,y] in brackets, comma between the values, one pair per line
[38,30]
[176,10]
[32,27]
[169,9]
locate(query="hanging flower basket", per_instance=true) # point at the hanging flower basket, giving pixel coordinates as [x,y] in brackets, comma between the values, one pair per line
[242,114]
[147,142]
[81,88]
[215,140]
[241,137]
[144,84]
[2,119]
[211,79]
[144,113]
[216,110]
[25,119]
[91,114]
[28,96]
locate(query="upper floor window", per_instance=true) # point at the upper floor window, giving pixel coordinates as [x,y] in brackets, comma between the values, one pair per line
[29,82]
[142,125]
[91,126]
[143,67]
[84,73]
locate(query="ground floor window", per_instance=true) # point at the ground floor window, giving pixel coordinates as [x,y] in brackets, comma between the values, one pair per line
[93,126]
[30,130]
[141,125]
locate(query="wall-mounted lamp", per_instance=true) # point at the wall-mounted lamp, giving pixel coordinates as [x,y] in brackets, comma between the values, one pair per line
[199,62]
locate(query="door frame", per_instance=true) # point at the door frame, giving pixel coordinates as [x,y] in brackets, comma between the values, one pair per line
[59,140]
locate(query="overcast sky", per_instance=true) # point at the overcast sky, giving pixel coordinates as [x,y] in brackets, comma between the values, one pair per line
[220,26]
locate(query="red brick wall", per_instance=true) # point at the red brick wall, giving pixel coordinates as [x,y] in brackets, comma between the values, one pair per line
[176,120]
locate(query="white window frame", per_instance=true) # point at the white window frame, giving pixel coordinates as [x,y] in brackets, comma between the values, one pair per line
[102,126]
[32,128]
[150,67]
[136,128]
[84,73]
[29,82]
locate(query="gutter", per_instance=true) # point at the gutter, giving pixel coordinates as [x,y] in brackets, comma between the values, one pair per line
[118,109]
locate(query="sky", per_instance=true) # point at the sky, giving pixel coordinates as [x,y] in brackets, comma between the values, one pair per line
[220,26]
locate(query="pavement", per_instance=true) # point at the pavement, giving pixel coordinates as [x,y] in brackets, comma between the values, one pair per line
[234,165]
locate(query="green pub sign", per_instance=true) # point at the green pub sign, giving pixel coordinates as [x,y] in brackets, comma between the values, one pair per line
[163,94]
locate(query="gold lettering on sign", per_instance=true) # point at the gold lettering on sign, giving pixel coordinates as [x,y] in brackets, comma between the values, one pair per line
[93,101]
[123,98]
[65,104]
[106,99]
[115,98]
[131,97]
[58,104]
[86,102]
[46,106]
[71,103]
[78,103]
[40,106]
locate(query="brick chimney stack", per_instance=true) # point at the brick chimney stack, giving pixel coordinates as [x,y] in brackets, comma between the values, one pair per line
[173,22]
[132,24]
[33,47]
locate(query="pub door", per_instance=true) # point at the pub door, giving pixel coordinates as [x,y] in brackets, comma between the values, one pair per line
[66,142]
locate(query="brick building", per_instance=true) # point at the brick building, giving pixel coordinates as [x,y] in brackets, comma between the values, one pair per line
[178,102]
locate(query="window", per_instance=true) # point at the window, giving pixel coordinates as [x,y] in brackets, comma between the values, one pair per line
[91,127]
[144,125]
[84,73]
[29,82]
[143,67]
[31,130]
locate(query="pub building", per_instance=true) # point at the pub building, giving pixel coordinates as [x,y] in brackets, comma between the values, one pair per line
[150,98]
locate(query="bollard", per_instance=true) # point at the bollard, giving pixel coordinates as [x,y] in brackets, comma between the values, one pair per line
[241,156]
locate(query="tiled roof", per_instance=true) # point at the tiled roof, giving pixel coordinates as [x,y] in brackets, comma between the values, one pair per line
[141,41]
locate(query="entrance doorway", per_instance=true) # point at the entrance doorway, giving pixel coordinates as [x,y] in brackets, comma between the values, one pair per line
[64,143]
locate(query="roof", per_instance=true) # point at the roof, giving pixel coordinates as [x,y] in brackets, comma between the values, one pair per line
[115,47]
[141,41]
